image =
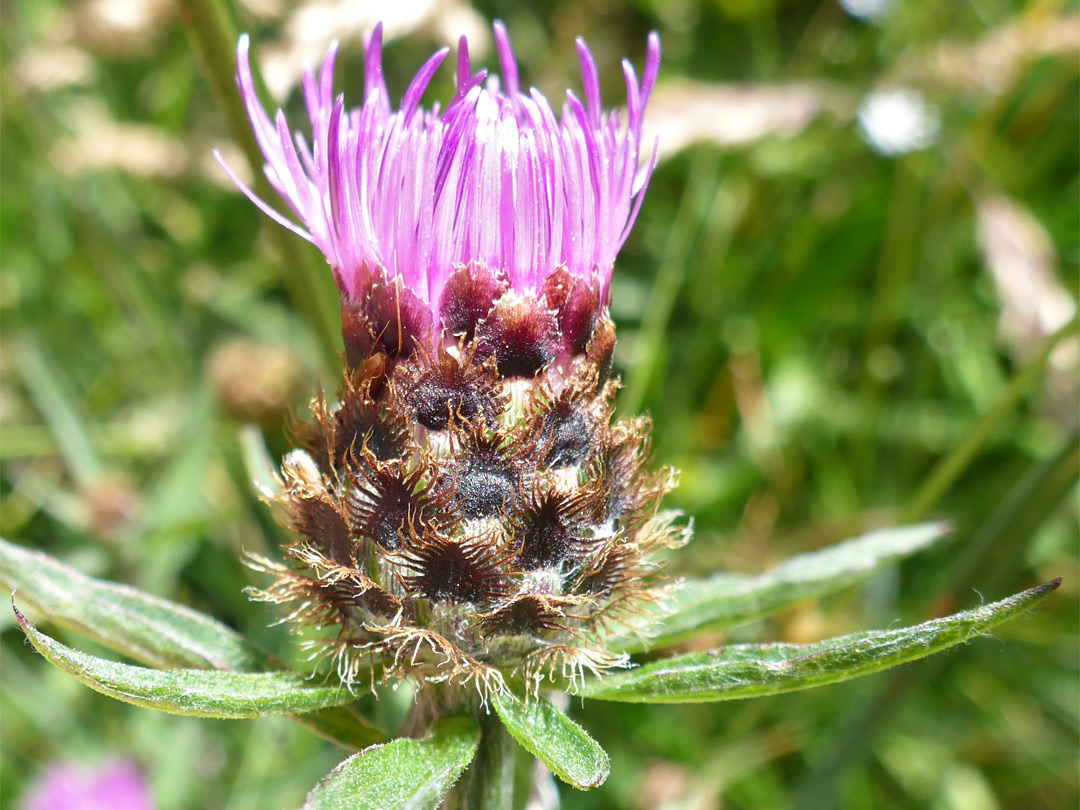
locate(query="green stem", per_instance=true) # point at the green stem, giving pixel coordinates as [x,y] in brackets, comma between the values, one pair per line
[214,39]
[488,784]
[945,474]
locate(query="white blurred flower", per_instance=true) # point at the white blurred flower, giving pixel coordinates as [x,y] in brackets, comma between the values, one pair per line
[870,10]
[897,121]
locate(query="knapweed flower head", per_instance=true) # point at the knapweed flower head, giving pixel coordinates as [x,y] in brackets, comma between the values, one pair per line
[427,217]
[468,510]
[468,514]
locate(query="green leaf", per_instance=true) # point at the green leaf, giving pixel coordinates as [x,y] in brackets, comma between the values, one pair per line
[553,738]
[342,725]
[154,631]
[725,600]
[413,774]
[751,670]
[198,692]
[151,630]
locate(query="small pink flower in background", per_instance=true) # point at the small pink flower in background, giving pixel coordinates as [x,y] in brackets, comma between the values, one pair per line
[115,785]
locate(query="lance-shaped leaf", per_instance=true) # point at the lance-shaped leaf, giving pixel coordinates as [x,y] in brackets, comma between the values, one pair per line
[151,630]
[198,692]
[154,631]
[342,725]
[553,738]
[725,600]
[405,773]
[751,670]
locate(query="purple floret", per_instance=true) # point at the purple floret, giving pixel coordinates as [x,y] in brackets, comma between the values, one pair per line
[494,180]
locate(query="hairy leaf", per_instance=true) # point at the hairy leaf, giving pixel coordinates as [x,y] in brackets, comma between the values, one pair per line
[151,630]
[405,773]
[154,631]
[751,670]
[725,600]
[198,692]
[553,738]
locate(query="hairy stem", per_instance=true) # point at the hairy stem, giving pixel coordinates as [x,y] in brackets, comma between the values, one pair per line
[488,784]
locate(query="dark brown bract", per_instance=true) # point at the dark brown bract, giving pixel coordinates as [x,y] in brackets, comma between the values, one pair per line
[462,517]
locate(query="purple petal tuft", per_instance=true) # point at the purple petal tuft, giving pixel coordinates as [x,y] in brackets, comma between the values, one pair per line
[494,180]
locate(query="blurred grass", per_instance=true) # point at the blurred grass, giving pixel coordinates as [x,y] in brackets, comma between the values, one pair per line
[814,327]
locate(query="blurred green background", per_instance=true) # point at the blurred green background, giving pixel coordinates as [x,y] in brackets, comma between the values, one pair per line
[838,306]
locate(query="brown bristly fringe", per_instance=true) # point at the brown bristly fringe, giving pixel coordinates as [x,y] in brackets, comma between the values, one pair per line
[472,512]
[571,663]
